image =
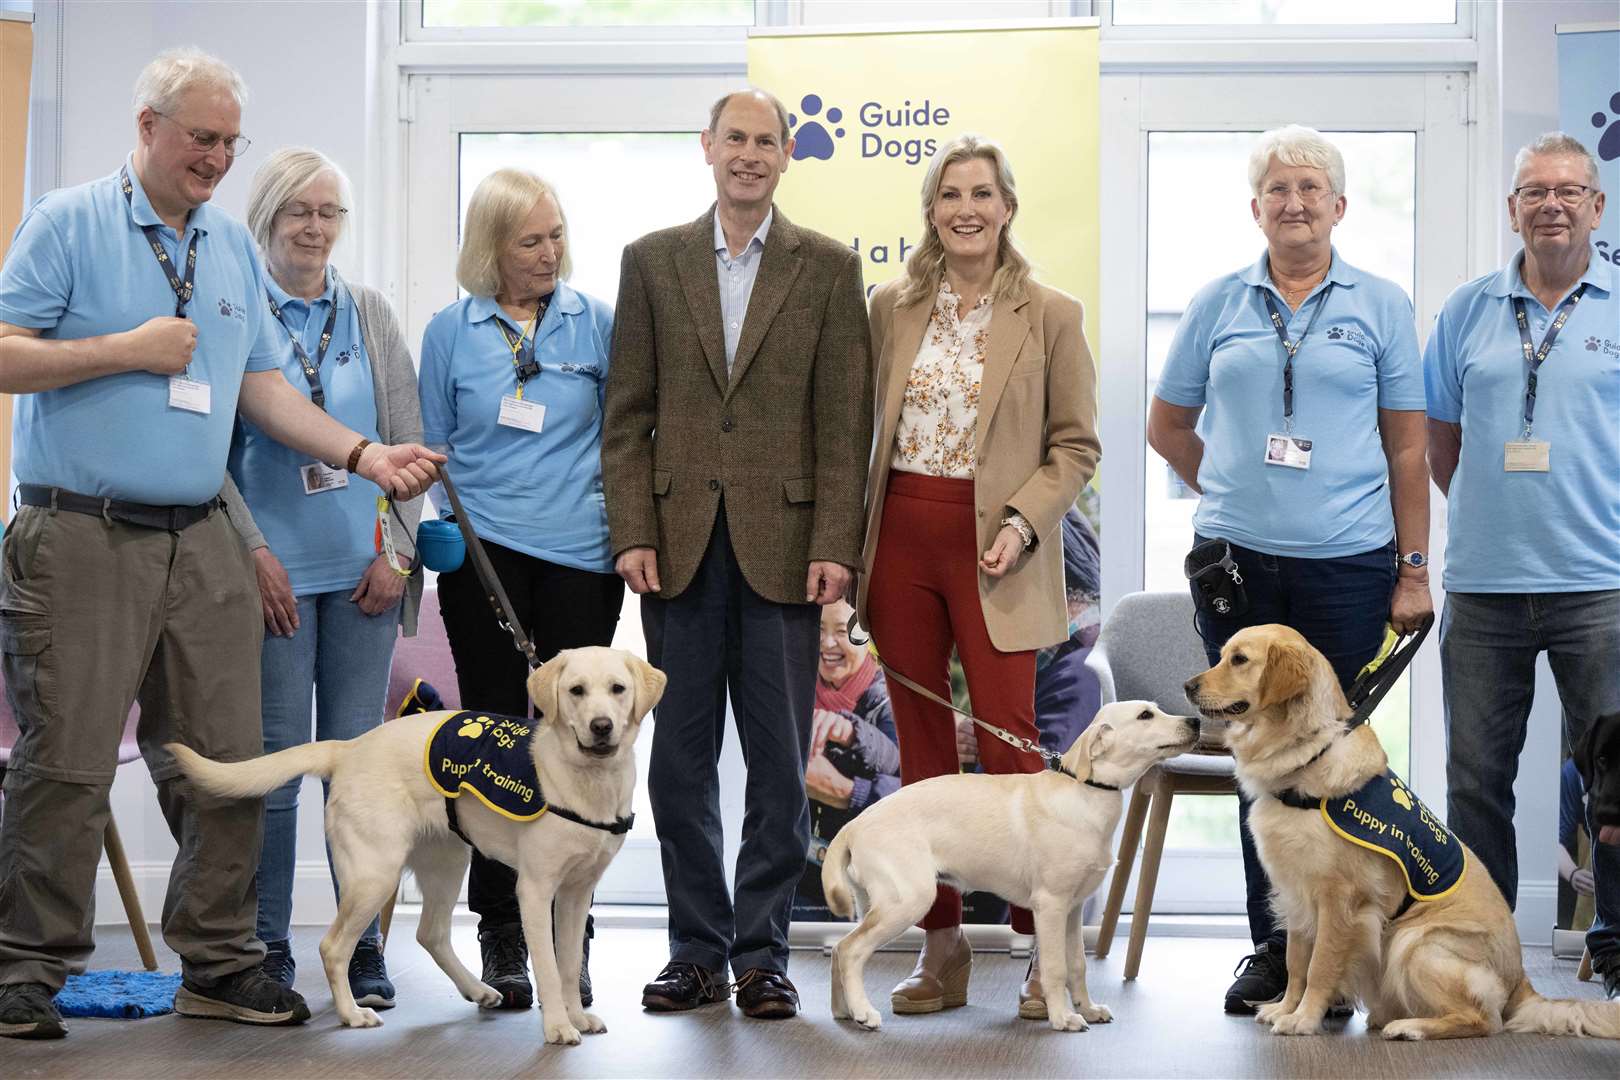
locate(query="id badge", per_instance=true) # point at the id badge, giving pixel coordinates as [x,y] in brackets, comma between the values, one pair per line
[1289,451]
[190,394]
[1526,455]
[521,414]
[319,477]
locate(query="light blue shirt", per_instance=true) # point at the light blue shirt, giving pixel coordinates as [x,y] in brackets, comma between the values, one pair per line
[80,267]
[1361,356]
[1557,531]
[737,279]
[535,492]
[325,540]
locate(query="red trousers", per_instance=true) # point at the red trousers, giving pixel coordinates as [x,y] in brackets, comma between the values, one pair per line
[923,598]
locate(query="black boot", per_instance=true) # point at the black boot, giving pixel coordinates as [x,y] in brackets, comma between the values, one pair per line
[506,965]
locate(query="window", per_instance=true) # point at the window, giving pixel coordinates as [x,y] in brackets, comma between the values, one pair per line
[1282,12]
[533,13]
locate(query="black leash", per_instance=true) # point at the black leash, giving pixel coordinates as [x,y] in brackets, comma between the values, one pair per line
[486,574]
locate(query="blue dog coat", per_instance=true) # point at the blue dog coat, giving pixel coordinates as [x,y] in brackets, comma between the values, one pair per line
[1384,816]
[490,757]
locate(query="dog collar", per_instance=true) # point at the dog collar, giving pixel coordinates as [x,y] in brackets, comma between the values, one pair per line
[1093,783]
[618,826]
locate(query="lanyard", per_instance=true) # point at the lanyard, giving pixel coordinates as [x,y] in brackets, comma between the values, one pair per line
[522,346]
[1534,356]
[1291,347]
[312,368]
[182,287]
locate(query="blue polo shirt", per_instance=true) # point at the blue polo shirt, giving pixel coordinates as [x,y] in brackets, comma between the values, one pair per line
[80,267]
[535,492]
[1557,531]
[325,540]
[1361,356]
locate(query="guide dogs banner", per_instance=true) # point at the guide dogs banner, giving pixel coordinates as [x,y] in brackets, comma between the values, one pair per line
[1589,109]
[869,108]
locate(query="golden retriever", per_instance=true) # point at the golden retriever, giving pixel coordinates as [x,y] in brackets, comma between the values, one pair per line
[383,814]
[1437,969]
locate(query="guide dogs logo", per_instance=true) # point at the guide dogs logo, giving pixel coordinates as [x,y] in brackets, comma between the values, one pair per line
[889,131]
[811,139]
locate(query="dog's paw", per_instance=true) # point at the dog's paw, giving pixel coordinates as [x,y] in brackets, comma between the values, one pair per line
[1296,1023]
[866,1016]
[1269,1013]
[362,1018]
[1097,1014]
[1408,1029]
[589,1023]
[562,1033]
[485,997]
[1068,1022]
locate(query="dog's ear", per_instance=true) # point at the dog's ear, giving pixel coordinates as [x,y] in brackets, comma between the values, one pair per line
[543,686]
[1287,674]
[1102,737]
[1586,752]
[650,683]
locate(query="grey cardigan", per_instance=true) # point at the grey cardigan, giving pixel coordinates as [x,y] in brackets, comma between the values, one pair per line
[399,419]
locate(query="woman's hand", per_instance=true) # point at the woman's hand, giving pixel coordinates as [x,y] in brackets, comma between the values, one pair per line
[826,784]
[1411,604]
[380,588]
[967,743]
[827,726]
[1009,544]
[275,593]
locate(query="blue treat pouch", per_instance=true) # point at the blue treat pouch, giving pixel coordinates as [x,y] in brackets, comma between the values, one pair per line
[440,545]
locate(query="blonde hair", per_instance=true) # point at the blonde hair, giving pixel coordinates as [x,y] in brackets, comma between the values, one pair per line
[927,263]
[1297,146]
[280,179]
[497,208]
[163,82]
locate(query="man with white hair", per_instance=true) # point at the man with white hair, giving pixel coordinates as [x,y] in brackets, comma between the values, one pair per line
[1524,439]
[133,328]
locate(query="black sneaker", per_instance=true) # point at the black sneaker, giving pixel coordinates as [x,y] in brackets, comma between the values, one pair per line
[1262,976]
[1611,981]
[28,1011]
[585,995]
[247,997]
[279,963]
[506,965]
[368,976]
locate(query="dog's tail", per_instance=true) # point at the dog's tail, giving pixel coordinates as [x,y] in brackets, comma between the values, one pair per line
[260,775]
[835,876]
[1528,1011]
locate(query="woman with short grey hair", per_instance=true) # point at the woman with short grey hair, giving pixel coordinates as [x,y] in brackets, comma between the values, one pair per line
[335,572]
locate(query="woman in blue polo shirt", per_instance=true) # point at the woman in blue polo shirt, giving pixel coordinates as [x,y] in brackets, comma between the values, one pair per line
[511,389]
[333,600]
[1292,401]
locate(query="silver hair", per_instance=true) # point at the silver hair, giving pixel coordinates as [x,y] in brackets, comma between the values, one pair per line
[1298,146]
[162,83]
[769,98]
[497,209]
[1560,144]
[279,180]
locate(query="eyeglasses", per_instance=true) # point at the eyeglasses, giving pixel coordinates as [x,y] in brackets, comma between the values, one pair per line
[1568,194]
[207,140]
[301,212]
[1308,193]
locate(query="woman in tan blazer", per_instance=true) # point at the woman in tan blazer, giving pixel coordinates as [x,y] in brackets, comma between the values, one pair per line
[986,432]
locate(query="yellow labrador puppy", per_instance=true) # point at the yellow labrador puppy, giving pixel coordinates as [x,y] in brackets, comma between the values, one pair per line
[1383,904]
[551,799]
[1040,840]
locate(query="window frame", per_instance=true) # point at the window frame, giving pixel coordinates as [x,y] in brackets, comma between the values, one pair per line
[1463,29]
[412,30]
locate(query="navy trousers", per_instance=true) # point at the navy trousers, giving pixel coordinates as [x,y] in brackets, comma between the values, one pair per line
[717,637]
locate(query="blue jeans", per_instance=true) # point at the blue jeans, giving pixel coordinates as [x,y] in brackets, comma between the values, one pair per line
[1488,648]
[337,659]
[1340,606]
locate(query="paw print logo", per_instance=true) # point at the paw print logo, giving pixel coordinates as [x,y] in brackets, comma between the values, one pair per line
[811,138]
[225,307]
[1592,344]
[1608,147]
[1335,333]
[345,356]
[1400,795]
[475,728]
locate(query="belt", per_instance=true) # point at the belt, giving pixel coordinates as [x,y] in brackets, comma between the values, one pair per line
[168,518]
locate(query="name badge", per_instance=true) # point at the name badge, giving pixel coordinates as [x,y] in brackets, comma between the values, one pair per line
[190,394]
[1526,455]
[319,477]
[521,414]
[1289,451]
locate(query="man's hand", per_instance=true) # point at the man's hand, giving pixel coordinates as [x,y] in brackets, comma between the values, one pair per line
[1609,834]
[379,589]
[275,594]
[162,345]
[639,568]
[827,582]
[827,726]
[826,784]
[1003,553]
[1582,882]
[403,471]
[1411,603]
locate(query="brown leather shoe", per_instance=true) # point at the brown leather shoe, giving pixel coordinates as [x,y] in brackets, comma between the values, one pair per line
[763,994]
[1031,998]
[922,992]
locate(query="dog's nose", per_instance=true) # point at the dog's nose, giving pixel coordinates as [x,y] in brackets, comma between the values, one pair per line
[1191,685]
[601,727]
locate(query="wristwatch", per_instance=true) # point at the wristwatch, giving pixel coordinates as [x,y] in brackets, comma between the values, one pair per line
[1414,559]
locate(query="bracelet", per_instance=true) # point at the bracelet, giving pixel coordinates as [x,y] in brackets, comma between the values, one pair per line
[1025,532]
[354,455]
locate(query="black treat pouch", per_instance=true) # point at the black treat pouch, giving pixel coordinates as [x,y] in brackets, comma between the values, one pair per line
[1217,587]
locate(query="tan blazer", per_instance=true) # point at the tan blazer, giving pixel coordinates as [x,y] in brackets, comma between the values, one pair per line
[784,440]
[1036,438]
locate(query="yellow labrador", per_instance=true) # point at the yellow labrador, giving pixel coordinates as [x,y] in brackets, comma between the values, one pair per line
[1039,840]
[384,813]
[1430,956]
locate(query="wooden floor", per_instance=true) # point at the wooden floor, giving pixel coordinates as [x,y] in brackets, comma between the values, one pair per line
[1168,1023]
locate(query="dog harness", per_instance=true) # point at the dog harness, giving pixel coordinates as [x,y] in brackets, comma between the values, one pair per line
[492,757]
[1385,816]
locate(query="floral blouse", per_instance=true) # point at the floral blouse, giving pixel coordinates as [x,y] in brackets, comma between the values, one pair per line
[940,410]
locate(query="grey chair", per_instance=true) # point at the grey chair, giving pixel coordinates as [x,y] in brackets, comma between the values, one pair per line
[1147,649]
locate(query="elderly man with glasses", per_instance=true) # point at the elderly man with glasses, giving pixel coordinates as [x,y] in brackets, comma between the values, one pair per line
[133,328]
[1524,440]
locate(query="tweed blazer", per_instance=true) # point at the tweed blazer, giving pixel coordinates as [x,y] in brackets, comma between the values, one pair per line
[1036,445]
[782,443]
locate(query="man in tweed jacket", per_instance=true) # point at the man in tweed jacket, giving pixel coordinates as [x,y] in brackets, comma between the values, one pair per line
[737,429]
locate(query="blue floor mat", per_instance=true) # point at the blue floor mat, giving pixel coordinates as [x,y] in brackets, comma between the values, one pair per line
[121,995]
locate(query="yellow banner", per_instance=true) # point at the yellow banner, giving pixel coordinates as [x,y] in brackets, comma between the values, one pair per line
[870,108]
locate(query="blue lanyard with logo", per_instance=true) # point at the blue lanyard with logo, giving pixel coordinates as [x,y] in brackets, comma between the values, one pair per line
[182,286]
[1291,347]
[1534,356]
[522,346]
[312,369]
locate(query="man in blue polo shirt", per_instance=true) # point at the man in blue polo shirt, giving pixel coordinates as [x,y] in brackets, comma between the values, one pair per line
[1523,382]
[134,328]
